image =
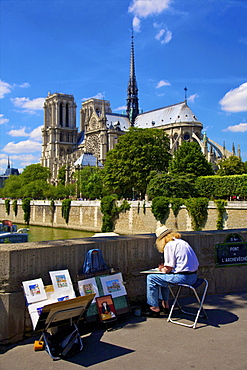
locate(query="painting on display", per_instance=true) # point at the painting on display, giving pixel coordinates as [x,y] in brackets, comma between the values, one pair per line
[113,284]
[88,286]
[34,290]
[106,308]
[62,284]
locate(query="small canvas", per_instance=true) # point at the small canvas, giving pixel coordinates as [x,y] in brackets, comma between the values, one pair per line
[113,284]
[106,308]
[34,290]
[88,286]
[62,284]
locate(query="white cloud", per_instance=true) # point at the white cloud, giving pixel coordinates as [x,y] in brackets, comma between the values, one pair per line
[25,85]
[122,108]
[162,83]
[144,8]
[241,127]
[3,120]
[136,24]
[28,105]
[164,35]
[36,134]
[17,133]
[235,100]
[5,88]
[27,146]
[192,98]
[97,96]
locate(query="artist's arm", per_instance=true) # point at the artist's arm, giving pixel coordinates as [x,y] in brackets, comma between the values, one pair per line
[166,269]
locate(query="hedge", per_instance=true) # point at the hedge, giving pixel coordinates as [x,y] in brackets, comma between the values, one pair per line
[222,186]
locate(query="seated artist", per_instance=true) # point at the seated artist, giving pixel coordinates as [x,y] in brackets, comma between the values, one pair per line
[180,266]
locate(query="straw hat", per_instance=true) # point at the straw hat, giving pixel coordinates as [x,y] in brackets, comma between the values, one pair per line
[162,231]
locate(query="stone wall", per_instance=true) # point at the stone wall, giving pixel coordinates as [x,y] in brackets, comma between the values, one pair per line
[86,215]
[128,254]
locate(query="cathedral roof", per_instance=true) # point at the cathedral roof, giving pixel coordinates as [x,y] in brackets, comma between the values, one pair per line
[177,113]
[87,159]
[118,121]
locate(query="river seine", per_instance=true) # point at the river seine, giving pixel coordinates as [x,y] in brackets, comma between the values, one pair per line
[40,233]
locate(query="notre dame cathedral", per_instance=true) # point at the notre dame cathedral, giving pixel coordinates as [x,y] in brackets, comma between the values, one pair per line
[100,129]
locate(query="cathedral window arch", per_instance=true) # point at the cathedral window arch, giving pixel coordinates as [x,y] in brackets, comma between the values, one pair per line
[186,136]
[67,115]
[61,114]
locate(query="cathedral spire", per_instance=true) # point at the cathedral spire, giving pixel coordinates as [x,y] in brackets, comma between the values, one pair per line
[132,97]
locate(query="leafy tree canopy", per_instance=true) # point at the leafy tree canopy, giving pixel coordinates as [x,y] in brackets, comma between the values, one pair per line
[172,186]
[189,159]
[89,182]
[139,152]
[231,166]
[61,175]
[35,172]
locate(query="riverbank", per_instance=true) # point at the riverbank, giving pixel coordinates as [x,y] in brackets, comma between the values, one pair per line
[139,219]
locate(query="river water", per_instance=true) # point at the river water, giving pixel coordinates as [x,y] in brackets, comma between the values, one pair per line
[44,233]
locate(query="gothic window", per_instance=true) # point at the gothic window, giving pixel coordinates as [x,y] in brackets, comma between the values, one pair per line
[186,136]
[67,115]
[61,113]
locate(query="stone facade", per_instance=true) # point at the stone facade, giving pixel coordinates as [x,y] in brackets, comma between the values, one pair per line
[86,215]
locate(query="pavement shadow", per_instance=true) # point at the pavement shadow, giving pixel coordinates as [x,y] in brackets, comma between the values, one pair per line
[218,317]
[96,351]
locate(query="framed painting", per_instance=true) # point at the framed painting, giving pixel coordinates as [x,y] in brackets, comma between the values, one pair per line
[34,290]
[106,308]
[113,284]
[88,286]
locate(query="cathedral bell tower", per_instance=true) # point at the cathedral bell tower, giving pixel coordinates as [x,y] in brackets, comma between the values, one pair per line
[132,109]
[59,134]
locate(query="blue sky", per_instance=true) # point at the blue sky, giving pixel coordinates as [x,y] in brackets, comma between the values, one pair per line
[82,47]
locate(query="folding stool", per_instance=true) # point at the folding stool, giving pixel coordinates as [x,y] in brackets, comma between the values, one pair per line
[198,283]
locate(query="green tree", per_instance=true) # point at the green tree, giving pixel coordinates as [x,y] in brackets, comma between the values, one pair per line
[27,182]
[35,172]
[231,166]
[35,189]
[128,166]
[12,187]
[172,186]
[61,175]
[189,159]
[89,182]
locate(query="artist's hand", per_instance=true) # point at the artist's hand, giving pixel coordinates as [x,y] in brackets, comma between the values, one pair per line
[161,266]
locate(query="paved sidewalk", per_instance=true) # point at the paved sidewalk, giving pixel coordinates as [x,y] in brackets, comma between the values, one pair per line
[152,343]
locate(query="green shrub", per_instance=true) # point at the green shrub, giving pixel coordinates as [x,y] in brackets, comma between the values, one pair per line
[110,210]
[160,208]
[27,209]
[7,206]
[176,204]
[222,186]
[220,203]
[198,211]
[15,207]
[66,209]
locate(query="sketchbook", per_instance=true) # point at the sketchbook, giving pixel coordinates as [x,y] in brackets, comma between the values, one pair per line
[152,271]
